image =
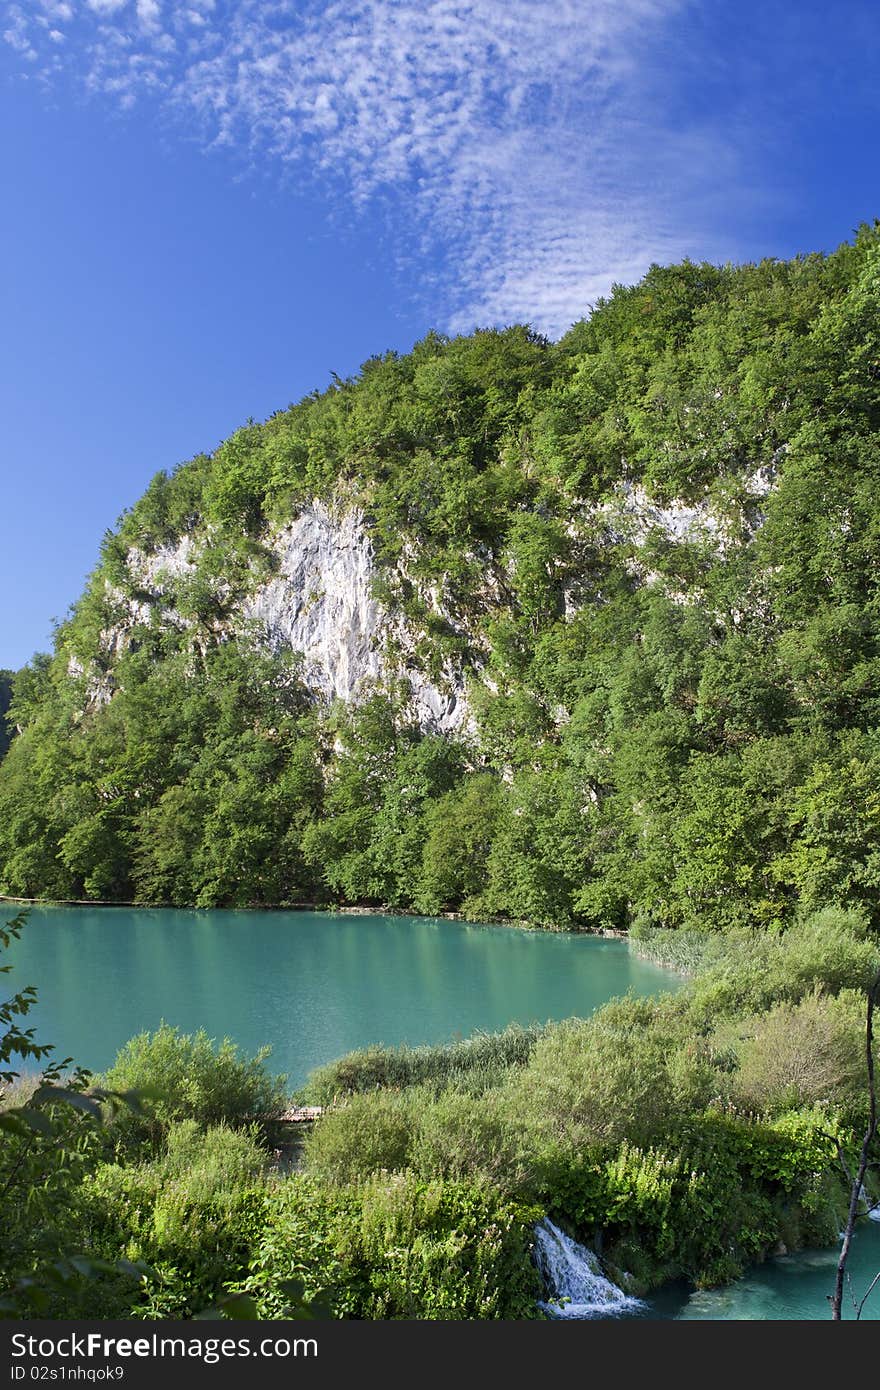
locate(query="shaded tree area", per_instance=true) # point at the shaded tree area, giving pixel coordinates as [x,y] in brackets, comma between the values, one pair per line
[6,679]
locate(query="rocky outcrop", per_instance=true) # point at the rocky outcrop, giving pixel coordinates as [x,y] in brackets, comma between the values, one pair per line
[632,515]
[319,603]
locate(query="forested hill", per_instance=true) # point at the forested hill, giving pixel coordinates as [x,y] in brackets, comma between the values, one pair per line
[573,633]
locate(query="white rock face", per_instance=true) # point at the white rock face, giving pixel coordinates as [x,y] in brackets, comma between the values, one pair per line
[321,604]
[151,571]
[171,560]
[320,601]
[633,515]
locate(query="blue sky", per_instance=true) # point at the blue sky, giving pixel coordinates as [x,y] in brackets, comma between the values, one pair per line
[212,205]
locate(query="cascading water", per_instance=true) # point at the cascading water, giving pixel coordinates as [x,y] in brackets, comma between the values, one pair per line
[872,1204]
[573,1273]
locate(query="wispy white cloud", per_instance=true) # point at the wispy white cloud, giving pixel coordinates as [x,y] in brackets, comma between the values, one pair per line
[105,7]
[517,136]
[57,9]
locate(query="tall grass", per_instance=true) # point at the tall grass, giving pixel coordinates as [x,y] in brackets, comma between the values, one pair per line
[687,950]
[474,1064]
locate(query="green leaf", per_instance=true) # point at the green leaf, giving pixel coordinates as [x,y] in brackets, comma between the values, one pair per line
[34,1121]
[48,1095]
[12,1122]
[240,1306]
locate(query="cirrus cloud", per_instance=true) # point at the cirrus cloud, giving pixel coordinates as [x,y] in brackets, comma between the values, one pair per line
[520,142]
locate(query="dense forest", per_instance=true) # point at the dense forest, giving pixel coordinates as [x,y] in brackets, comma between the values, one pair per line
[647,552]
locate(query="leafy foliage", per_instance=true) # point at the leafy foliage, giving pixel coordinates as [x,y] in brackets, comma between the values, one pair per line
[691,1133]
[399,1247]
[472,1064]
[653,551]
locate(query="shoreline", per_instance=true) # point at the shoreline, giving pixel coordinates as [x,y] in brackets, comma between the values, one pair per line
[354,910]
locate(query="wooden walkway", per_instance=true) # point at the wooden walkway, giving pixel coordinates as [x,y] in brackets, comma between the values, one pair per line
[300,1114]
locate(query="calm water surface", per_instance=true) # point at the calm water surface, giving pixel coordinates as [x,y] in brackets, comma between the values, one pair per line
[311,984]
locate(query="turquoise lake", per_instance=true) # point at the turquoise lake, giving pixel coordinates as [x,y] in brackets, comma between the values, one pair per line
[313,985]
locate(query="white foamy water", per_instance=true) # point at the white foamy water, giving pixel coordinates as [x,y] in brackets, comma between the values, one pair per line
[873,1212]
[575,1284]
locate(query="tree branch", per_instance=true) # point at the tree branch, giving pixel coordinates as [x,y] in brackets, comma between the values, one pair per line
[864,1158]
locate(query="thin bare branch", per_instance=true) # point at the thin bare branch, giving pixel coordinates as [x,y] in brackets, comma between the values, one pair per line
[864,1157]
[871,1287]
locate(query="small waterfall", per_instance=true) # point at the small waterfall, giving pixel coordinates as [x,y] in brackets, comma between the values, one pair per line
[573,1273]
[873,1212]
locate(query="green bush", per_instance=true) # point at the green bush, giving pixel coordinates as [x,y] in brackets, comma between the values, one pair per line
[465,1136]
[186,1076]
[830,951]
[798,1055]
[625,1073]
[206,1163]
[719,1199]
[450,1135]
[370,1132]
[398,1247]
[687,1133]
[192,1214]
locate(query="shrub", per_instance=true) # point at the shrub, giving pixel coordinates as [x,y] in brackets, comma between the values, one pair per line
[829,951]
[19,1091]
[185,1076]
[206,1163]
[801,1054]
[464,1136]
[717,1202]
[370,1132]
[192,1214]
[584,1087]
[399,1247]
[625,1073]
